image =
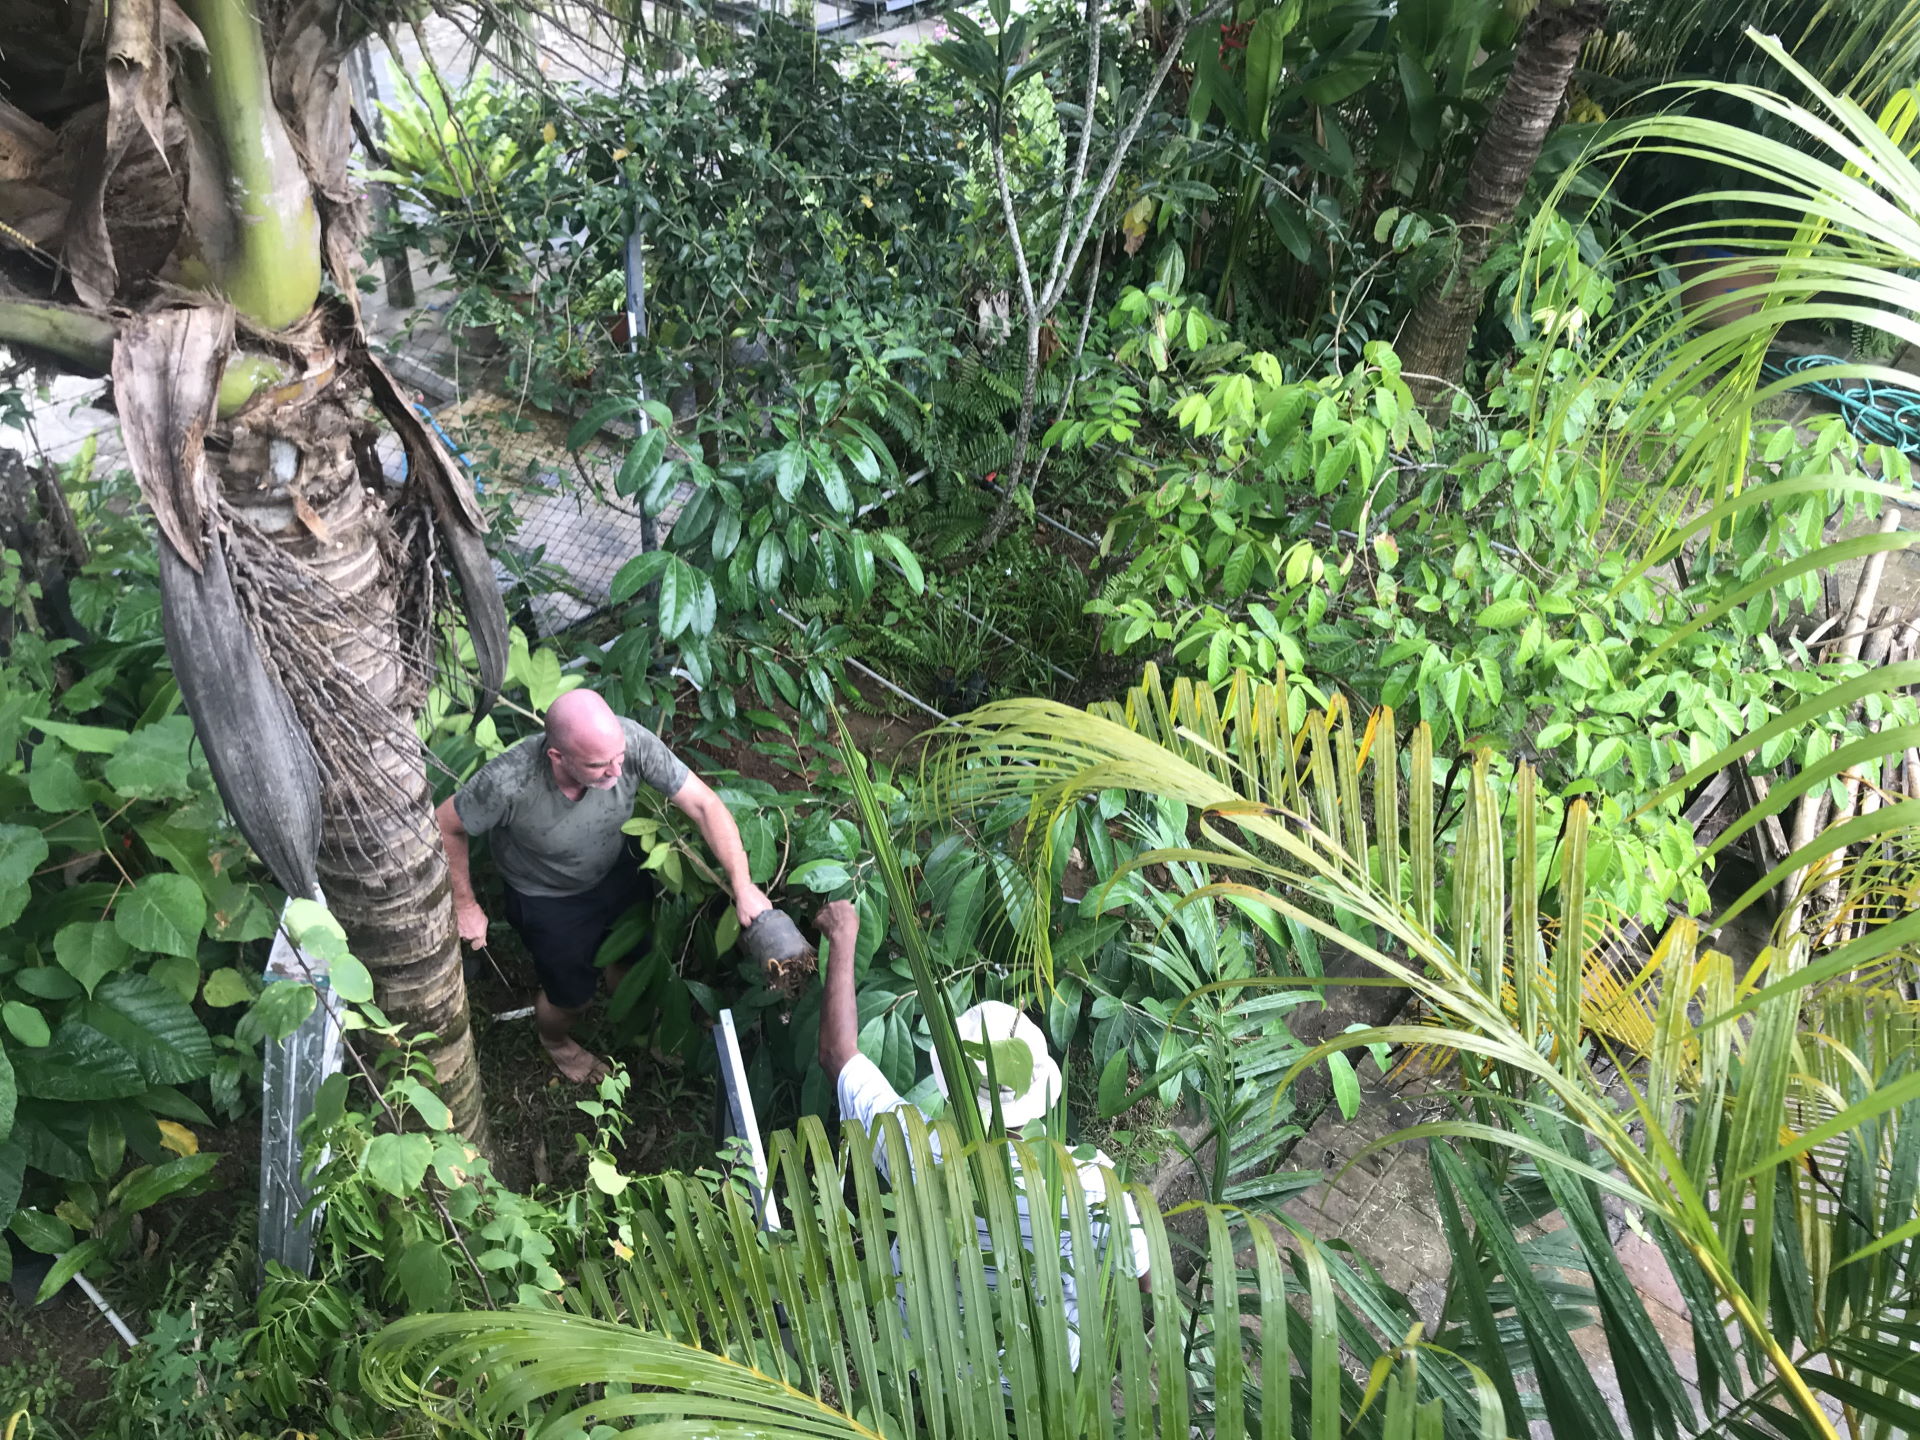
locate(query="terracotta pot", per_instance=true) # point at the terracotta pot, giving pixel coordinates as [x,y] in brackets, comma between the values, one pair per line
[1710,276]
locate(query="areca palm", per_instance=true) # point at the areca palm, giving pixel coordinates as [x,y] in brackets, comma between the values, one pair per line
[1821,232]
[176,202]
[1772,1117]
[1864,48]
[881,1319]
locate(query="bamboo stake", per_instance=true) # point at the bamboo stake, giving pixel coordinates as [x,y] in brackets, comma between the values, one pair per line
[1877,647]
[1809,817]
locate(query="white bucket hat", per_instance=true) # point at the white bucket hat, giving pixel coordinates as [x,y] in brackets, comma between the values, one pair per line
[992,1023]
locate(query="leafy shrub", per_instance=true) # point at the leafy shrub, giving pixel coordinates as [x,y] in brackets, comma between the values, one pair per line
[126,898]
[1318,524]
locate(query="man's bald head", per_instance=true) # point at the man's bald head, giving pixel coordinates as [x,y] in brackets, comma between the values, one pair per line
[585,739]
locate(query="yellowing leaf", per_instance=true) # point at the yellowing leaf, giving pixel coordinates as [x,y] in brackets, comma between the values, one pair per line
[622,153]
[625,1252]
[548,133]
[867,200]
[177,1138]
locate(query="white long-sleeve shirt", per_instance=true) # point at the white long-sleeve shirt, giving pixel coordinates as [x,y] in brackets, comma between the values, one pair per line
[865,1095]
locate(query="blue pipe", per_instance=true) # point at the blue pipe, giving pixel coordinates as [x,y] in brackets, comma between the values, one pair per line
[453,448]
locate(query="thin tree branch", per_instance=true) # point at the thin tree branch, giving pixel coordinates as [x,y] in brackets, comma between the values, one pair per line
[1125,143]
[1079,179]
[1034,316]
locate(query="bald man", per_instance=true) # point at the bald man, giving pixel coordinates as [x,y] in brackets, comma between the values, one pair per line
[554,805]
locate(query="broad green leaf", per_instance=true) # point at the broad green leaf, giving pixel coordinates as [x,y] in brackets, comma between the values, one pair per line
[151,1184]
[47,982]
[425,1276]
[1011,1062]
[613,407]
[154,762]
[1346,1084]
[53,783]
[162,913]
[68,1266]
[80,1063]
[1113,1084]
[429,1106]
[93,739]
[26,1024]
[351,980]
[820,876]
[1504,614]
[9,1097]
[13,1174]
[276,1011]
[22,851]
[106,1142]
[904,558]
[769,565]
[225,987]
[687,605]
[397,1163]
[178,974]
[330,1101]
[41,1232]
[643,458]
[154,1025]
[90,950]
[790,471]
[312,927]
[833,484]
[637,574]
[606,1176]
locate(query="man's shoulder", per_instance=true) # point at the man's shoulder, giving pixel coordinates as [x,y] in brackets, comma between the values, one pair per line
[509,771]
[652,759]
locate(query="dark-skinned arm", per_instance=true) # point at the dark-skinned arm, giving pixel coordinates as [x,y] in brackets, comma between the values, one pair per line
[839,1012]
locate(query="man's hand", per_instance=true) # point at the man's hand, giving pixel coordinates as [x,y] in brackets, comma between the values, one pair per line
[840,923]
[750,903]
[471,921]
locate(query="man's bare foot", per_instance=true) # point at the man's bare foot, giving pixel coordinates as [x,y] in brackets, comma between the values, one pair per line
[577,1063]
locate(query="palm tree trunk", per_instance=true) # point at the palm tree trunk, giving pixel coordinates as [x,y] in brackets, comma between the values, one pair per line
[1433,346]
[291,479]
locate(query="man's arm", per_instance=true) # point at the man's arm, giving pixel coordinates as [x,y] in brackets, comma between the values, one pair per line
[696,800]
[468,917]
[839,1013]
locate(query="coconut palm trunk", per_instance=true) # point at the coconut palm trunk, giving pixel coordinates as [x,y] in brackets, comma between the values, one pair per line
[173,189]
[1433,347]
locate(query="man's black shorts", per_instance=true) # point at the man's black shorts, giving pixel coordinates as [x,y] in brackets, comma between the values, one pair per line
[564,932]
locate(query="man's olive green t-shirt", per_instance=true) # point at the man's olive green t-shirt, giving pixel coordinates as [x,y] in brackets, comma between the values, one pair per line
[544,843]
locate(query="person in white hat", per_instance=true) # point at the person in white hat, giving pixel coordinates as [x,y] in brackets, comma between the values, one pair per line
[864,1093]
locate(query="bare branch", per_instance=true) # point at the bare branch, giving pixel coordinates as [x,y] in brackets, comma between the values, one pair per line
[1127,137]
[1034,315]
[1079,179]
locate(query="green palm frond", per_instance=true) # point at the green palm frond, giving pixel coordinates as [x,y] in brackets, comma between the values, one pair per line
[879,1319]
[1749,1075]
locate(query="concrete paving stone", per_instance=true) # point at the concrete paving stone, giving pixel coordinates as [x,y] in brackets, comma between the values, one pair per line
[1429,1298]
[1647,1268]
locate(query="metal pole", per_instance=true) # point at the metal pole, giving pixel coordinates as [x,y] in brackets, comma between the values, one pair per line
[636,267]
[741,1122]
[397,272]
[290,1078]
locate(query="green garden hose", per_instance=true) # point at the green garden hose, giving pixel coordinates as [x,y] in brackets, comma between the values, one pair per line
[1875,411]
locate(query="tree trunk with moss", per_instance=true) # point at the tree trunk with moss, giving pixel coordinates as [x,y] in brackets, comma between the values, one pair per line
[188,170]
[1433,346]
